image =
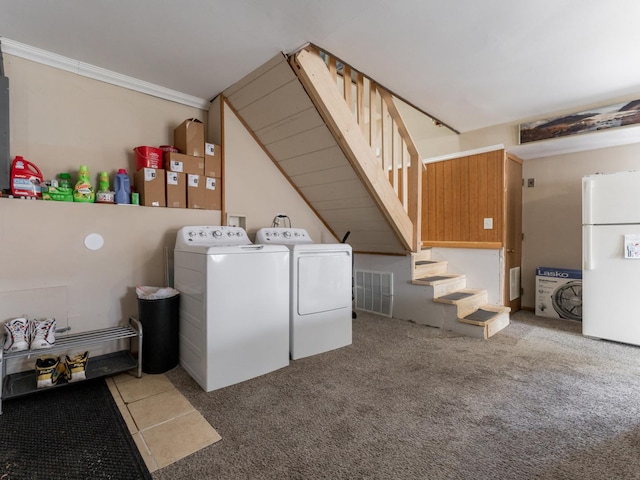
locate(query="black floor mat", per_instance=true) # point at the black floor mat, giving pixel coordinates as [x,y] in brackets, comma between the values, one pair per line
[72,432]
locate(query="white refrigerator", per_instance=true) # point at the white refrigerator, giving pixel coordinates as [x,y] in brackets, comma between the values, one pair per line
[611,256]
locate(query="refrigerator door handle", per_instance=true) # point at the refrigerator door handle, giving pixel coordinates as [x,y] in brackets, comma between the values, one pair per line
[587,200]
[586,247]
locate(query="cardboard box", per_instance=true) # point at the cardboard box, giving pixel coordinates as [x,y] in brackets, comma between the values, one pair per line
[559,293]
[176,189]
[188,137]
[180,163]
[195,191]
[150,184]
[213,193]
[212,160]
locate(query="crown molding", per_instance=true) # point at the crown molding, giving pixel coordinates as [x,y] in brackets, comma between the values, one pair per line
[50,59]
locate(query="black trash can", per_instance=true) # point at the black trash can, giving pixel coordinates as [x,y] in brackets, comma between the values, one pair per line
[159,319]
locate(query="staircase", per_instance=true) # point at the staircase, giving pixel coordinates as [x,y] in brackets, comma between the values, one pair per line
[473,316]
[338,137]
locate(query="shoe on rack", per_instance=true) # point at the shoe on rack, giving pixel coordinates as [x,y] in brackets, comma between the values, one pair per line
[47,371]
[18,335]
[63,372]
[43,333]
[77,366]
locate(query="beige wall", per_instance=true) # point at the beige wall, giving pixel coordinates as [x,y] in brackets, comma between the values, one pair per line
[552,210]
[60,120]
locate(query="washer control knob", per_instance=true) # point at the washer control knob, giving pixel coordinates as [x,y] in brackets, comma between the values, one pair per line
[203,233]
[191,233]
[217,233]
[287,234]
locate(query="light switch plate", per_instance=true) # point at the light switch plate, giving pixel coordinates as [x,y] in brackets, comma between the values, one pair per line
[488,223]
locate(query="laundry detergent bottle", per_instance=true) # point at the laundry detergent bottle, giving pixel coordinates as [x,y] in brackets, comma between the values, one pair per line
[122,187]
[83,191]
[104,194]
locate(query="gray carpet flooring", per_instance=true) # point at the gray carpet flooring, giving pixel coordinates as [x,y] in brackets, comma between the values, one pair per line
[537,400]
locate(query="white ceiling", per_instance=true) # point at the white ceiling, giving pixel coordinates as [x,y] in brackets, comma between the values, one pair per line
[469,63]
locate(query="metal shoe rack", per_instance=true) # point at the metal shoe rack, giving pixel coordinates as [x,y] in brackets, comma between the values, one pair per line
[23,383]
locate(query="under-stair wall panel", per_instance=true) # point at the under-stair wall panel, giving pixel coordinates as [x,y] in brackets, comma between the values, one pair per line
[341,189]
[340,204]
[285,101]
[317,139]
[459,194]
[314,161]
[322,177]
[300,122]
[274,106]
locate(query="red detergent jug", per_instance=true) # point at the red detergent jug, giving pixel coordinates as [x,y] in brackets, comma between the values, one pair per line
[26,179]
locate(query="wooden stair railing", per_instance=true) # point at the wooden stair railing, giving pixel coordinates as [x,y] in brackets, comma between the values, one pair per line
[316,79]
[383,128]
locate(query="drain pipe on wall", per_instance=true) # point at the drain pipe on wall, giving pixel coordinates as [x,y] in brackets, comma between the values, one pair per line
[5,161]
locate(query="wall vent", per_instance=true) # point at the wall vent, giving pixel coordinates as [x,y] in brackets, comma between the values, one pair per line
[514,283]
[374,292]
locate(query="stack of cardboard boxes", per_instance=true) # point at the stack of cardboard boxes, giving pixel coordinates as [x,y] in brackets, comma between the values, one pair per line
[192,178]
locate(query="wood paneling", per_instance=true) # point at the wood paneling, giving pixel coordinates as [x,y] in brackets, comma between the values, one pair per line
[458,194]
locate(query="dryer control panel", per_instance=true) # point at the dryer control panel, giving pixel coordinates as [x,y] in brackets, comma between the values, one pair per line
[283,236]
[212,236]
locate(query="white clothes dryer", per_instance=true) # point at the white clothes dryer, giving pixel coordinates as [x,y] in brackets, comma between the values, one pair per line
[234,305]
[320,296]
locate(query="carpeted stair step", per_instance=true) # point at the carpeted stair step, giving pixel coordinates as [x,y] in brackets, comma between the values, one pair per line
[467,300]
[425,268]
[492,318]
[443,284]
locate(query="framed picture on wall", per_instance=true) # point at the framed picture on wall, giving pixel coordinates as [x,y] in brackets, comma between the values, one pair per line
[602,118]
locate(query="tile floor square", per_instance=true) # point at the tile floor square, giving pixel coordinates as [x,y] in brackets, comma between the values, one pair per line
[149,461]
[162,422]
[159,408]
[146,386]
[177,438]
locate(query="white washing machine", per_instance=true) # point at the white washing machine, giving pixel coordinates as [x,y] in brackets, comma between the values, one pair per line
[234,305]
[320,296]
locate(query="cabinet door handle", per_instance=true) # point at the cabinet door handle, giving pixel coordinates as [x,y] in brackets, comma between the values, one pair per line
[511,250]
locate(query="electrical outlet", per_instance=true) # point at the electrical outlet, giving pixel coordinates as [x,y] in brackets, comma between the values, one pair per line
[488,223]
[531,182]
